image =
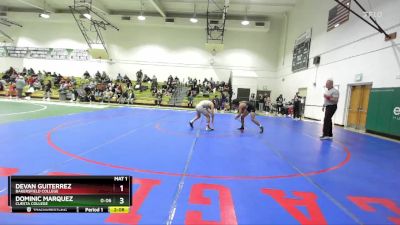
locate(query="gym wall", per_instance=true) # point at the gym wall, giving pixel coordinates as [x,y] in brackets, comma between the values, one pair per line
[350,49]
[156,49]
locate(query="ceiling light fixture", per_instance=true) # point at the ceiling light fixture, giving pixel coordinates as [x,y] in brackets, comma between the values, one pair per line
[245,22]
[87,16]
[194,19]
[141,17]
[44,15]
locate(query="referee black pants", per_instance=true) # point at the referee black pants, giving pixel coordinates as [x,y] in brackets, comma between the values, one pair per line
[329,112]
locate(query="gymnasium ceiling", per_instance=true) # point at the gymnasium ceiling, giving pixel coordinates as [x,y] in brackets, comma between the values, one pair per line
[237,10]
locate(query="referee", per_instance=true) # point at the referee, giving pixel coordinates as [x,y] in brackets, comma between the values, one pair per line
[331,98]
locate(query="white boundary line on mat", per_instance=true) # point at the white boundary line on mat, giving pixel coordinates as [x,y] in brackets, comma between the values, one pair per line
[25,112]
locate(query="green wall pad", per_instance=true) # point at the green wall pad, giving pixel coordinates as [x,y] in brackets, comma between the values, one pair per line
[384,111]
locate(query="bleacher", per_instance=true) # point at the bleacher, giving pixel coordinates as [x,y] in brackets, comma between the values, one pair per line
[145,97]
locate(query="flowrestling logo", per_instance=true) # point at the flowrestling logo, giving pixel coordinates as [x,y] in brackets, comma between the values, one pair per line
[373,14]
[396,113]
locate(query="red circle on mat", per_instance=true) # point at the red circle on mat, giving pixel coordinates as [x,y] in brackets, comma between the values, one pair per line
[311,173]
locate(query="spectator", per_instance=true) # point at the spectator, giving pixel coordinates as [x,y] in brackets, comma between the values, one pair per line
[212,83]
[253,99]
[63,91]
[139,76]
[107,95]
[279,104]
[19,85]
[190,99]
[73,81]
[128,83]
[13,78]
[170,79]
[37,85]
[2,84]
[227,107]
[154,83]
[104,75]
[224,100]
[29,92]
[118,91]
[31,72]
[216,102]
[47,91]
[73,93]
[11,90]
[40,75]
[296,106]
[268,103]
[87,76]
[123,97]
[10,72]
[119,78]
[89,96]
[126,80]
[159,96]
[146,79]
[260,102]
[130,96]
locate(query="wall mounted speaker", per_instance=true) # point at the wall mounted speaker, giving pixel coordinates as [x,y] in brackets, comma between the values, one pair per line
[317,60]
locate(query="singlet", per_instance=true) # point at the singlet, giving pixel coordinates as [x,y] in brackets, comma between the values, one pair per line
[250,107]
[205,104]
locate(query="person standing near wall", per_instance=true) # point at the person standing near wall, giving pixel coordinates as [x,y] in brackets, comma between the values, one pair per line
[296,106]
[268,103]
[331,98]
[279,104]
[47,91]
[260,103]
[253,99]
[19,85]
[190,99]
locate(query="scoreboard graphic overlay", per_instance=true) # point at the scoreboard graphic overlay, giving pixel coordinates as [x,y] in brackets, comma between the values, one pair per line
[75,194]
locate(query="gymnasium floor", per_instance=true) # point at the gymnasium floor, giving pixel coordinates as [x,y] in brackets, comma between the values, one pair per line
[284,176]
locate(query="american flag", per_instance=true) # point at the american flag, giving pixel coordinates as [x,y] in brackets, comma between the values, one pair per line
[338,15]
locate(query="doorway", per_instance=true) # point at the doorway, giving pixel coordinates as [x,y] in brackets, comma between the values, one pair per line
[243,94]
[358,106]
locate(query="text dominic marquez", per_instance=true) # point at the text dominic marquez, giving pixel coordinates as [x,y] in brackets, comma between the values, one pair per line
[41,189]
